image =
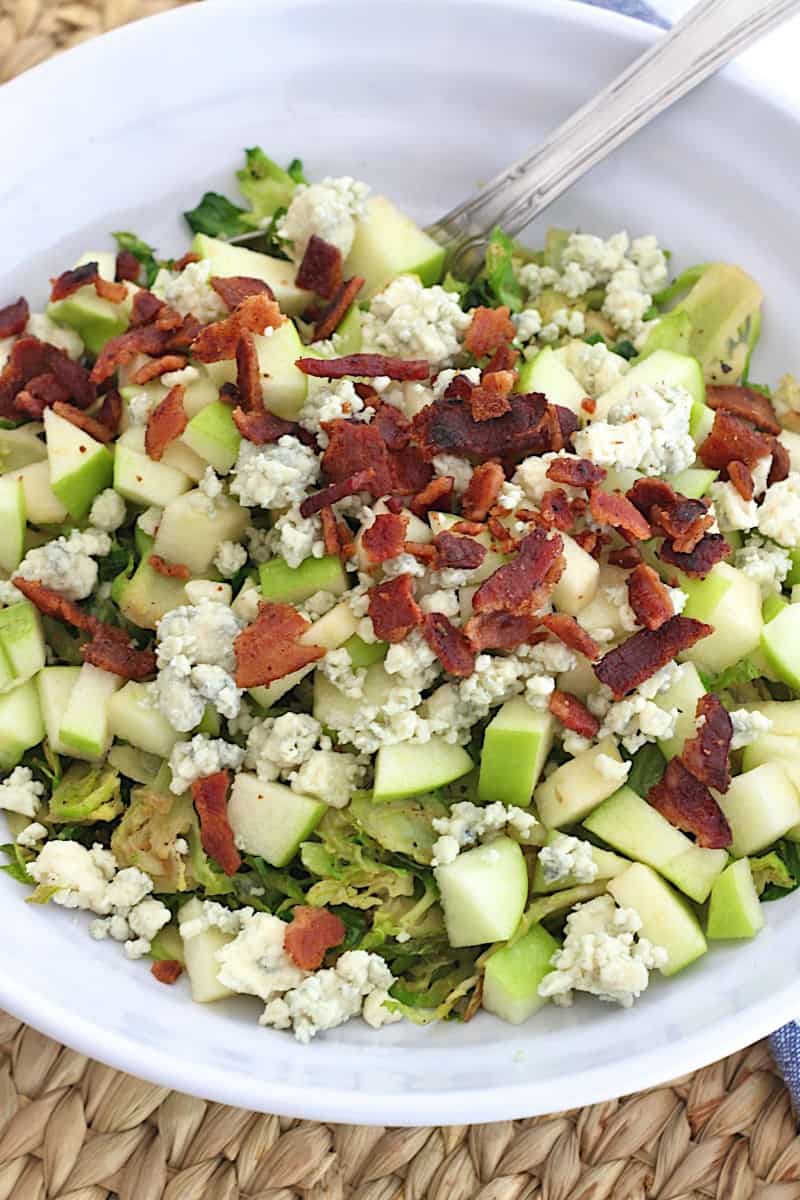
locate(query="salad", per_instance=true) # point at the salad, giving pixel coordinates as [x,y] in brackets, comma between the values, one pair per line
[382,644]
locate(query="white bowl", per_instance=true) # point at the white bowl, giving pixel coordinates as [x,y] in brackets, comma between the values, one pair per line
[422,98]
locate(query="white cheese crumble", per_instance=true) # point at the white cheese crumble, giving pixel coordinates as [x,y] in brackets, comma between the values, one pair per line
[108,511]
[337,667]
[412,321]
[67,564]
[199,758]
[336,399]
[149,520]
[230,558]
[279,745]
[9,594]
[567,858]
[274,476]
[196,663]
[198,590]
[468,823]
[328,209]
[764,562]
[189,291]
[31,835]
[255,962]
[786,397]
[595,367]
[647,432]
[747,726]
[779,515]
[294,538]
[359,983]
[329,775]
[636,719]
[21,793]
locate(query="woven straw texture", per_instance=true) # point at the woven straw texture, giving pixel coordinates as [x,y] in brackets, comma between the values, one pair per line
[72,1129]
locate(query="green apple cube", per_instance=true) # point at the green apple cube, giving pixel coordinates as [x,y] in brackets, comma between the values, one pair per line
[574,789]
[608,866]
[483,893]
[148,595]
[22,639]
[667,920]
[279,274]
[19,447]
[213,435]
[84,724]
[772,747]
[662,366]
[141,479]
[693,482]
[190,534]
[683,695]
[42,505]
[780,641]
[400,769]
[388,244]
[579,580]
[12,523]
[783,715]
[329,631]
[734,910]
[513,974]
[772,606]
[182,458]
[200,956]
[8,679]
[347,339]
[547,374]
[333,708]
[761,806]
[283,386]
[515,748]
[364,654]
[93,318]
[736,617]
[80,466]
[54,685]
[21,725]
[269,819]
[281,583]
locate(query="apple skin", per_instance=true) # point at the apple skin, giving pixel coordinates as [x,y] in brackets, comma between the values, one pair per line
[515,748]
[213,435]
[780,642]
[483,892]
[12,523]
[734,910]
[513,974]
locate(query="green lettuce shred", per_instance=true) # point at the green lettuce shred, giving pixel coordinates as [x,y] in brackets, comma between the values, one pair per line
[87,794]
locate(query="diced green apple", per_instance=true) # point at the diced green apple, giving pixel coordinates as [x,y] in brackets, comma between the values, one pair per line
[80,466]
[84,725]
[329,631]
[780,642]
[682,694]
[213,435]
[200,956]
[734,910]
[283,386]
[19,447]
[148,595]
[547,374]
[576,787]
[733,610]
[42,505]
[364,654]
[190,534]
[12,523]
[400,769]
[22,639]
[579,580]
[279,274]
[54,685]
[773,747]
[269,819]
[387,244]
[134,718]
[483,893]
[141,479]
[92,317]
[332,708]
[667,920]
[513,974]
[760,805]
[516,744]
[694,482]
[281,583]
[21,725]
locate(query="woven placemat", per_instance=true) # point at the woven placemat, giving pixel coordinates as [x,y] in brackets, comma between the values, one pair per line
[73,1129]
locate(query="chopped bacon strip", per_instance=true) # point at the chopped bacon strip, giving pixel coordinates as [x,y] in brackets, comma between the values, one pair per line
[471,528]
[435,495]
[270,647]
[456,550]
[394,428]
[52,604]
[367,366]
[157,367]
[449,644]
[190,256]
[489,398]
[106,289]
[482,490]
[121,350]
[447,427]
[145,308]
[616,510]
[710,550]
[647,651]
[362,481]
[384,538]
[558,437]
[353,448]
[741,477]
[648,597]
[261,427]
[110,650]
[210,797]
[332,315]
[502,631]
[589,405]
[573,714]
[14,318]
[572,634]
[426,552]
[706,754]
[109,413]
[393,609]
[166,422]
[781,463]
[503,540]
[523,585]
[219,340]
[127,267]
[233,289]
[684,523]
[746,403]
[576,472]
[248,374]
[688,805]
[336,535]
[555,509]
[70,281]
[488,330]
[731,438]
[409,473]
[166,970]
[648,493]
[459,388]
[81,419]
[310,933]
[41,392]
[503,359]
[321,268]
[167,569]
[625,556]
[588,540]
[30,358]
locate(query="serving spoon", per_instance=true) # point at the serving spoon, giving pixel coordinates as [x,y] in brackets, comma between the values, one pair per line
[709,36]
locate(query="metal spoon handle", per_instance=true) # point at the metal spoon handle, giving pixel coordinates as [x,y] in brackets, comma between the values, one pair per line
[710,35]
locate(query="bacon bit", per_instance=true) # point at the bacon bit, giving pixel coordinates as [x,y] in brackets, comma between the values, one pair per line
[503,540]
[70,281]
[393,609]
[367,366]
[710,550]
[166,422]
[446,427]
[190,256]
[41,392]
[121,350]
[482,490]
[384,538]
[14,318]
[210,797]
[706,754]
[109,413]
[167,569]
[746,403]
[471,528]
[435,495]
[233,289]
[145,308]
[321,268]
[82,420]
[262,427]
[523,585]
[625,556]
[425,552]
[367,393]
[409,473]
[449,644]
[331,532]
[270,648]
[684,523]
[310,933]
[572,634]
[166,970]
[157,367]
[587,539]
[354,447]
[394,504]
[393,427]
[488,330]
[106,289]
[503,359]
[731,438]
[741,478]
[556,511]
[502,631]
[334,313]
[576,472]
[489,399]
[688,805]
[645,652]
[781,463]
[648,493]
[614,509]
[229,394]
[573,714]
[248,374]
[219,340]
[110,650]
[648,597]
[127,267]
[362,481]
[459,552]
[558,436]
[589,405]
[459,388]
[53,604]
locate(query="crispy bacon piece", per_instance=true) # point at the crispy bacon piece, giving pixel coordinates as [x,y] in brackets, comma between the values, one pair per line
[109,413]
[127,267]
[503,540]
[321,268]
[647,651]
[449,644]
[233,289]
[361,481]
[555,509]
[588,540]
[52,604]
[145,308]
[488,330]
[30,358]
[502,631]
[409,473]
[157,367]
[167,569]
[385,537]
[572,634]
[366,366]
[589,405]
[573,714]
[684,523]
[354,447]
[270,648]
[648,493]
[119,351]
[81,419]
[41,392]
[746,403]
[393,427]
[14,318]
[625,556]
[482,490]
[648,597]
[336,535]
[310,933]
[616,510]
[706,754]
[741,477]
[248,374]
[489,398]
[393,609]
[70,281]
[471,528]
[219,340]
[435,495]
[261,427]
[425,552]
[456,550]
[731,438]
[576,472]
[210,797]
[110,650]
[503,359]
[710,550]
[107,289]
[523,585]
[781,463]
[334,312]
[166,970]
[447,427]
[166,422]
[189,257]
[688,805]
